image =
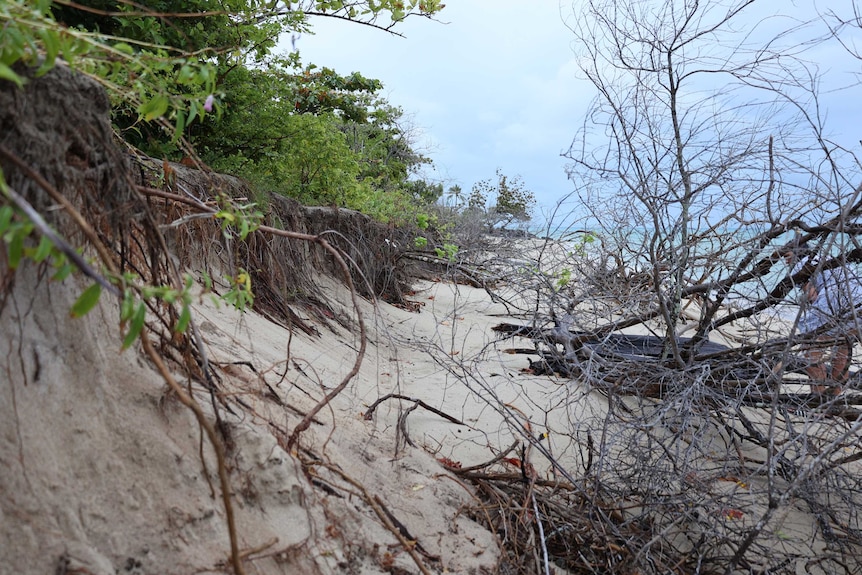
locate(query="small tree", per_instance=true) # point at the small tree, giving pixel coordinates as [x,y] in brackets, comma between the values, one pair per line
[456,196]
[425,192]
[703,160]
[514,202]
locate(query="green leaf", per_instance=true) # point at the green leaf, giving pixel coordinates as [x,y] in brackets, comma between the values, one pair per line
[136,326]
[180,126]
[127,308]
[43,250]
[6,213]
[52,47]
[64,268]
[183,321]
[154,108]
[86,301]
[124,48]
[193,112]
[16,249]
[186,74]
[6,73]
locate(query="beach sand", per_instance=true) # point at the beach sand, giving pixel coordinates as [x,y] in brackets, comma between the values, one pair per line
[102,467]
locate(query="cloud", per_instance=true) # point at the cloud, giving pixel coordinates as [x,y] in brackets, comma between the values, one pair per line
[498,86]
[494,87]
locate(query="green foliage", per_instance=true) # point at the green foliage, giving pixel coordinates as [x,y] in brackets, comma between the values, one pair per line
[391,207]
[16,231]
[306,132]
[28,32]
[448,252]
[424,192]
[161,62]
[513,200]
[563,278]
[133,308]
[239,219]
[424,220]
[370,10]
[133,313]
[240,294]
[318,91]
[224,29]
[260,106]
[385,149]
[86,301]
[312,135]
[586,239]
[478,198]
[420,242]
[143,78]
[318,164]
[167,65]
[13,230]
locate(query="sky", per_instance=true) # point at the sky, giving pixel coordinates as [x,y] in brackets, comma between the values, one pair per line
[495,84]
[492,86]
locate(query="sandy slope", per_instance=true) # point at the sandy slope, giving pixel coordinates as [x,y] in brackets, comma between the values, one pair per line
[102,469]
[101,466]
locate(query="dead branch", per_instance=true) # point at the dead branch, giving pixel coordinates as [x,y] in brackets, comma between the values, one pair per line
[407,543]
[499,457]
[402,424]
[369,413]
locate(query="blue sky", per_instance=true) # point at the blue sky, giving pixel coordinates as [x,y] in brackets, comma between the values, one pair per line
[497,85]
[493,87]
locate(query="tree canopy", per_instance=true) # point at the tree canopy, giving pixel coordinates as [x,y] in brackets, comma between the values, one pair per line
[201,78]
[513,201]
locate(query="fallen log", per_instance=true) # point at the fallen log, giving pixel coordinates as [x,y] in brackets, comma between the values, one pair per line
[638,365]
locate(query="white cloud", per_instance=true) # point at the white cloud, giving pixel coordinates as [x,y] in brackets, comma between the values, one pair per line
[497,86]
[494,87]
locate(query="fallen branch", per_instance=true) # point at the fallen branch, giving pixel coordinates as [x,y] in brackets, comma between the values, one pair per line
[500,456]
[369,414]
[402,424]
[403,529]
[473,277]
[408,543]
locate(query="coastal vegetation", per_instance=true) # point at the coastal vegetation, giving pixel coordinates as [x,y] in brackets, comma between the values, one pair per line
[691,446]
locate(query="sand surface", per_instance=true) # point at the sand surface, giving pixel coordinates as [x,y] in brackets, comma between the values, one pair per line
[102,468]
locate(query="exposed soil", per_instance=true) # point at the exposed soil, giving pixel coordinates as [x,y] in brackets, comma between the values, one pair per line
[105,471]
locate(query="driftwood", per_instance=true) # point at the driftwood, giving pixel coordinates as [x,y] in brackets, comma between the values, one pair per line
[469,274]
[635,365]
